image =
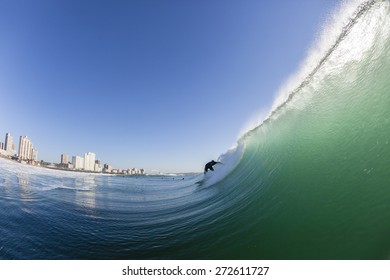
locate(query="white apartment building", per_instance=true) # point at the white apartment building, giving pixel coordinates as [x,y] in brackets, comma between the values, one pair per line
[89,161]
[78,162]
[98,166]
[25,149]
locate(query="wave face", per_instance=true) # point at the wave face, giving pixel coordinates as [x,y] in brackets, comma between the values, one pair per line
[317,169]
[311,182]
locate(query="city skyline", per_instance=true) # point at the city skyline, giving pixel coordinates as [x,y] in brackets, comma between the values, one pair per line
[27,153]
[167,85]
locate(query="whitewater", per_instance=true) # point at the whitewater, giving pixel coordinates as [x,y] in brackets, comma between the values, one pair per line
[308,181]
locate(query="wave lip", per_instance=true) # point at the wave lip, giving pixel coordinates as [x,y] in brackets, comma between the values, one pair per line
[334,31]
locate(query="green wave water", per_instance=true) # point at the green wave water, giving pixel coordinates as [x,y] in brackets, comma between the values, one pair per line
[317,171]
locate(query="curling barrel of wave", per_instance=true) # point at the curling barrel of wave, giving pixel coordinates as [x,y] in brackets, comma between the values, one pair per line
[313,178]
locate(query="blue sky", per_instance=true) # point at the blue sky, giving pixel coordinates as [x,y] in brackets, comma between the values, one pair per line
[164,85]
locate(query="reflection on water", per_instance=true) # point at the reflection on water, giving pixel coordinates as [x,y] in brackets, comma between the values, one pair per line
[85,188]
[23,180]
[25,191]
[15,186]
[31,183]
[85,183]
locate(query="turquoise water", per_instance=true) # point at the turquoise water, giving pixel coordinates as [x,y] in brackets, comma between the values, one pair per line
[311,182]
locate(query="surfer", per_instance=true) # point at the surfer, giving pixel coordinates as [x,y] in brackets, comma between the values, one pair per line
[210,165]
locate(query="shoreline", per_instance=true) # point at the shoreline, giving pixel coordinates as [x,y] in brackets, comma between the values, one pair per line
[66,170]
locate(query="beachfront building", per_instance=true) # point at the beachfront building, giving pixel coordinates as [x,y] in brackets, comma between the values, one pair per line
[89,161]
[25,149]
[107,168]
[78,162]
[98,166]
[64,159]
[2,150]
[9,144]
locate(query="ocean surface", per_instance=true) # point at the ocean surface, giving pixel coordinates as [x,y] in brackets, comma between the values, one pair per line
[311,181]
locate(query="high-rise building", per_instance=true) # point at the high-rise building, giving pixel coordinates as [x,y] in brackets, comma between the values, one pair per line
[9,144]
[64,159]
[25,149]
[89,161]
[78,162]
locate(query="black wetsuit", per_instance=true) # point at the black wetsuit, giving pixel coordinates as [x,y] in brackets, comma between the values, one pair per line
[209,165]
